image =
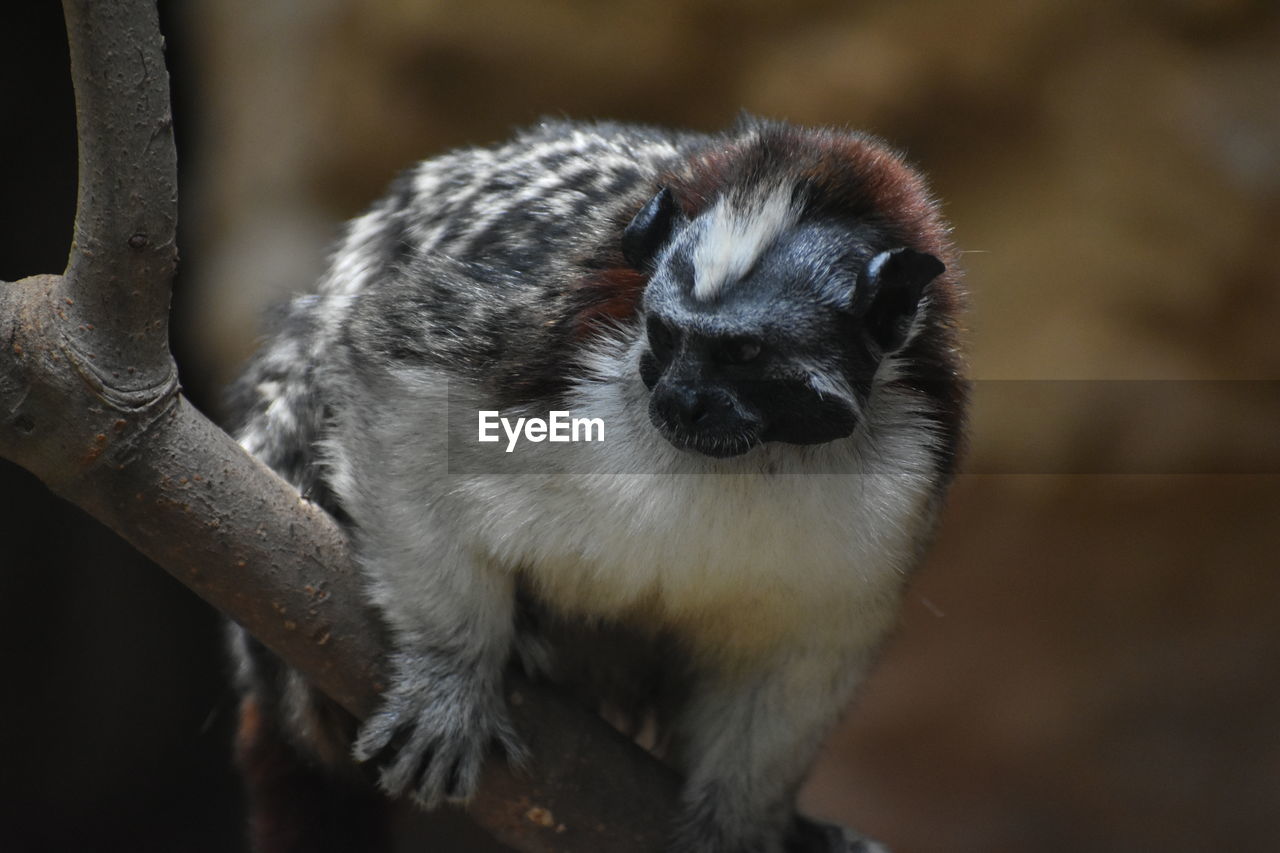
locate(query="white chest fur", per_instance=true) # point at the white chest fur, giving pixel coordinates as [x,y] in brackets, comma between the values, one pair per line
[772,536]
[734,553]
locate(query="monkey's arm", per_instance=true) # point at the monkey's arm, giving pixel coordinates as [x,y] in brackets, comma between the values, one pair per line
[747,740]
[451,622]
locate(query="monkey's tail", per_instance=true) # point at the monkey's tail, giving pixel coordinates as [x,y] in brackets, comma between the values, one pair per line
[295,804]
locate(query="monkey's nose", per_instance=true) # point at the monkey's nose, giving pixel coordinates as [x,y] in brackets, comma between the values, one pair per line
[690,407]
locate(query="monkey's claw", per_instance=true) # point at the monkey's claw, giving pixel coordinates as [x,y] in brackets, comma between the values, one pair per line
[429,744]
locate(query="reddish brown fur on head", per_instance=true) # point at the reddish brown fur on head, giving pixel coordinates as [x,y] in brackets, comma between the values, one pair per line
[840,174]
[837,175]
[609,296]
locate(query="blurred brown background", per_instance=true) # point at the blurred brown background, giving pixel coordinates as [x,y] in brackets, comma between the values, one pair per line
[1091,659]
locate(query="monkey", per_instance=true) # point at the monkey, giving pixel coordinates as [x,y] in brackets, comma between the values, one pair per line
[765,321]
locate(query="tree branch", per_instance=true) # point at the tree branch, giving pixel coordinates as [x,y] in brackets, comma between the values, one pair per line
[89,403]
[118,276]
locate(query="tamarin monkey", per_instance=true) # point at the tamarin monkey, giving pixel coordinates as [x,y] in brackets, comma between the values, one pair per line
[762,322]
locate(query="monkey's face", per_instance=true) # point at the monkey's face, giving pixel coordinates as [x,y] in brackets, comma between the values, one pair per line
[720,386]
[762,327]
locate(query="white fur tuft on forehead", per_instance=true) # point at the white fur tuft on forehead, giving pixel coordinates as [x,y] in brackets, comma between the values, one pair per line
[734,235]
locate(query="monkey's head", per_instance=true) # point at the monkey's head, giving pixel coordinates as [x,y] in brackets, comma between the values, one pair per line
[764,320]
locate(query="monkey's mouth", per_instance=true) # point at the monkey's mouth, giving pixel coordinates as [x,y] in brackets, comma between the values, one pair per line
[717,444]
[709,425]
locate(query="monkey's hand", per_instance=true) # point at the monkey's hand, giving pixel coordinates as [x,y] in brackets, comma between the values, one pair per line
[435,727]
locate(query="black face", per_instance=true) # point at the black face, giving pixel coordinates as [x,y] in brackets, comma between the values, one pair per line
[721,393]
[784,353]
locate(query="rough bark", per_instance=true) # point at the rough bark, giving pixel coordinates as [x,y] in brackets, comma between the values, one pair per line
[90,403]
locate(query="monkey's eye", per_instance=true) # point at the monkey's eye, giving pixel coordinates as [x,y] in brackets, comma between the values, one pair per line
[737,351]
[662,339]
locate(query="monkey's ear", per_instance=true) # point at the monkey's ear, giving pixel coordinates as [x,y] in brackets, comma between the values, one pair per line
[650,228]
[889,291]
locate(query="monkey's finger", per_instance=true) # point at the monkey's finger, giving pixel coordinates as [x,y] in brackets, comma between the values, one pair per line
[381,738]
[435,781]
[421,761]
[463,778]
[509,744]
